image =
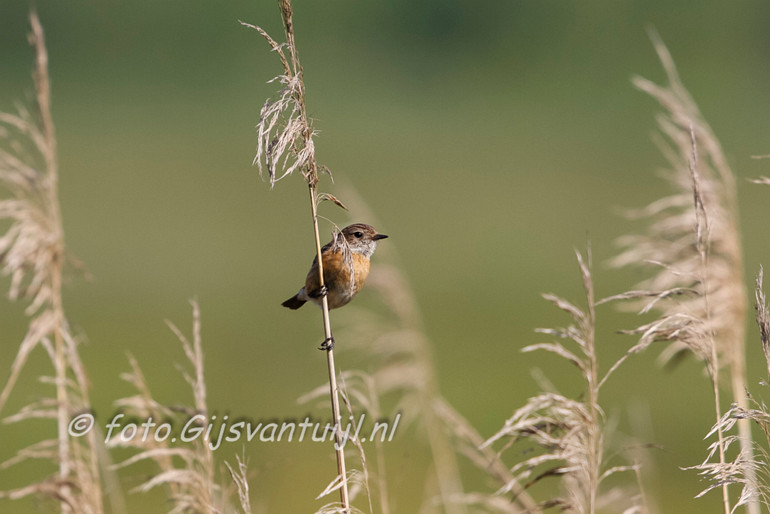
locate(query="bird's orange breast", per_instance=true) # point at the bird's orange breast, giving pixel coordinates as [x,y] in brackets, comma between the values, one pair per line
[341,284]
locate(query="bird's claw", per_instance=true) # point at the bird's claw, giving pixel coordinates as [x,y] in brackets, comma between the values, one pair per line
[320,292]
[327,344]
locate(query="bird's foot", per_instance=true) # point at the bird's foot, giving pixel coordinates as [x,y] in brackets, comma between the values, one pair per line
[327,344]
[320,292]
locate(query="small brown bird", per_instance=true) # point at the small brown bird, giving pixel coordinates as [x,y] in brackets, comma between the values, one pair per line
[345,266]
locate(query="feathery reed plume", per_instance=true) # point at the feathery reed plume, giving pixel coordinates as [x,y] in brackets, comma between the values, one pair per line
[748,469]
[570,434]
[693,244]
[32,253]
[285,142]
[240,478]
[192,487]
[695,250]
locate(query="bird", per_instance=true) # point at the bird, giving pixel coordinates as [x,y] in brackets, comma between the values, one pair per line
[345,267]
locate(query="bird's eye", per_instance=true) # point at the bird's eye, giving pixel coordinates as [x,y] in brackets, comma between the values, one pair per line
[358,234]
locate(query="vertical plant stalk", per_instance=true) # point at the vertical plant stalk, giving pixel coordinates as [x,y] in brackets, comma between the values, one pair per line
[43,89]
[333,390]
[595,449]
[286,140]
[702,244]
[720,434]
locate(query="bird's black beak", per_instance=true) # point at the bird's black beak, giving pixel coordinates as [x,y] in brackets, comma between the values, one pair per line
[377,237]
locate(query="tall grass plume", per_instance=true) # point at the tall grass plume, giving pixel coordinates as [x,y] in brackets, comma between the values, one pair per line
[566,438]
[32,253]
[188,473]
[692,249]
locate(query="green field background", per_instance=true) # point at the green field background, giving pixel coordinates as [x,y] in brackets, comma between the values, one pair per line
[490,139]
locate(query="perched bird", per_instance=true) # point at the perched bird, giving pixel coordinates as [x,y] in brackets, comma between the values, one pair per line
[345,267]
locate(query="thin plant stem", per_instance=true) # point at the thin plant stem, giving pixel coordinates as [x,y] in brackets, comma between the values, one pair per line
[333,390]
[703,246]
[714,373]
[594,435]
[49,155]
[720,437]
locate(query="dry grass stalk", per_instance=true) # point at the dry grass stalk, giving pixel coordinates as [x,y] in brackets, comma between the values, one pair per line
[747,469]
[32,253]
[191,486]
[570,434]
[693,244]
[241,481]
[285,142]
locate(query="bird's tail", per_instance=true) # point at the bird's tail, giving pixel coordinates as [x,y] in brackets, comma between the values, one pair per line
[294,302]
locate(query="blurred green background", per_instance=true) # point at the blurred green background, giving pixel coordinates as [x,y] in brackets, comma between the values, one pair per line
[490,139]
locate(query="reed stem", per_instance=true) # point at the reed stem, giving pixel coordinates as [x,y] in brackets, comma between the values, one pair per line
[333,391]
